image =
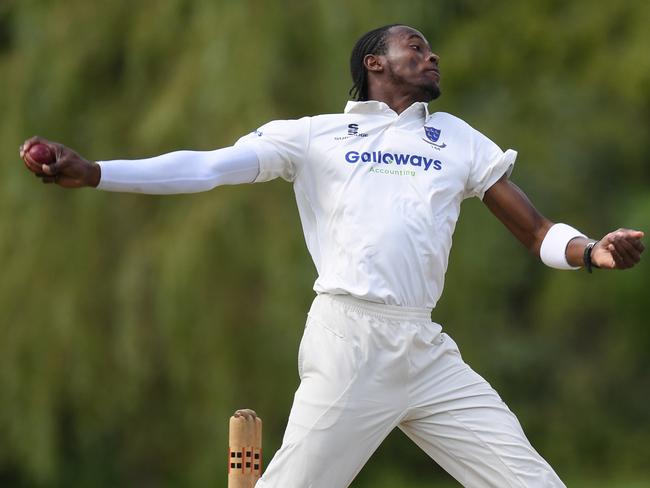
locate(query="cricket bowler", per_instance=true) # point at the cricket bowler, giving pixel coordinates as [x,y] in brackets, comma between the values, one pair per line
[379,189]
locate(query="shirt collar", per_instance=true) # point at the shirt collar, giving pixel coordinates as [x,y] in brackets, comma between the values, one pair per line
[418,109]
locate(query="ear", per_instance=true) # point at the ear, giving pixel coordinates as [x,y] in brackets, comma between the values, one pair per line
[374,62]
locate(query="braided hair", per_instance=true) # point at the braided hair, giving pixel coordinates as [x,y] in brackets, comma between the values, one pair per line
[373,42]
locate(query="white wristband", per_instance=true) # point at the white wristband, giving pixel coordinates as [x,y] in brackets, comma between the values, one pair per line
[553,250]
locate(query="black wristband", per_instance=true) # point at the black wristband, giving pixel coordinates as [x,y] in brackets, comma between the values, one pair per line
[586,257]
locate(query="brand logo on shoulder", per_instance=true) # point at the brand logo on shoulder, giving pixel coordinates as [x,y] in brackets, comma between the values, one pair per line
[353,131]
[433,135]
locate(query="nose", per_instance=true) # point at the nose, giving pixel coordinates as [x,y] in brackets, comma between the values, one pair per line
[434,58]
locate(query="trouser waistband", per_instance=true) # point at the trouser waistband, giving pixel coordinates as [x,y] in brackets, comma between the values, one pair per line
[380,310]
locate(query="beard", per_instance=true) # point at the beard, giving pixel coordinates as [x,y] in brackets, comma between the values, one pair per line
[424,90]
[427,91]
[433,91]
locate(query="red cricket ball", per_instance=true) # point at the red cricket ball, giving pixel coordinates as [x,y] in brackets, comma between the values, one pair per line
[42,154]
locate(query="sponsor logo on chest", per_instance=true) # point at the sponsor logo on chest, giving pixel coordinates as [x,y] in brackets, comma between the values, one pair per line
[394,162]
[398,159]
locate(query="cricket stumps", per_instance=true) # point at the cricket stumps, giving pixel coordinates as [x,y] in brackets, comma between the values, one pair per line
[244,449]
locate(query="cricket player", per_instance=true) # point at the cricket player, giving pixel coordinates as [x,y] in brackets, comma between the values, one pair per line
[379,189]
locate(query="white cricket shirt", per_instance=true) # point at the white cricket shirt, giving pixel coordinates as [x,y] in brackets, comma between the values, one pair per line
[379,193]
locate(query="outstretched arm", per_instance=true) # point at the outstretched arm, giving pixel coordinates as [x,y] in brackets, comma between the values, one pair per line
[620,249]
[176,172]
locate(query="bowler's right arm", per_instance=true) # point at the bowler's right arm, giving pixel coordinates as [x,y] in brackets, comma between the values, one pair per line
[175,172]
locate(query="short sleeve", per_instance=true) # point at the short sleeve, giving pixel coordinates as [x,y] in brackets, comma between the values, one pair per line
[489,164]
[281,147]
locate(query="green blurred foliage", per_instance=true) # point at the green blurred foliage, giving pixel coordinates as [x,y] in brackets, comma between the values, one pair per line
[132,326]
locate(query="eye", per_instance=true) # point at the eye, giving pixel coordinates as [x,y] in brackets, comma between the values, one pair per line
[415,47]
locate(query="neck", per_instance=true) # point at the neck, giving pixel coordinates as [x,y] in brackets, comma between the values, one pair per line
[396,101]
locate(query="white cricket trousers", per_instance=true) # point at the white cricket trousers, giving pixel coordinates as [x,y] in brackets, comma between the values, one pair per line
[366,368]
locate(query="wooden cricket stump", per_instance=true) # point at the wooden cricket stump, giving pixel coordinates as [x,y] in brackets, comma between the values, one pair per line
[244,450]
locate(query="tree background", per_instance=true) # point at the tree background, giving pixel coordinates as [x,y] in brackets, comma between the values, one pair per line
[132,326]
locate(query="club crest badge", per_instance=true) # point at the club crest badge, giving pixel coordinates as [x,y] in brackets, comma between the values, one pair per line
[433,135]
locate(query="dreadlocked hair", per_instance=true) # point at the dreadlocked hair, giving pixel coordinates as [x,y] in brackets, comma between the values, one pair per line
[373,42]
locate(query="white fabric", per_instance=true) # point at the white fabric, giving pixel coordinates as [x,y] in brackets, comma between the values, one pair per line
[379,199]
[365,371]
[180,171]
[553,249]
